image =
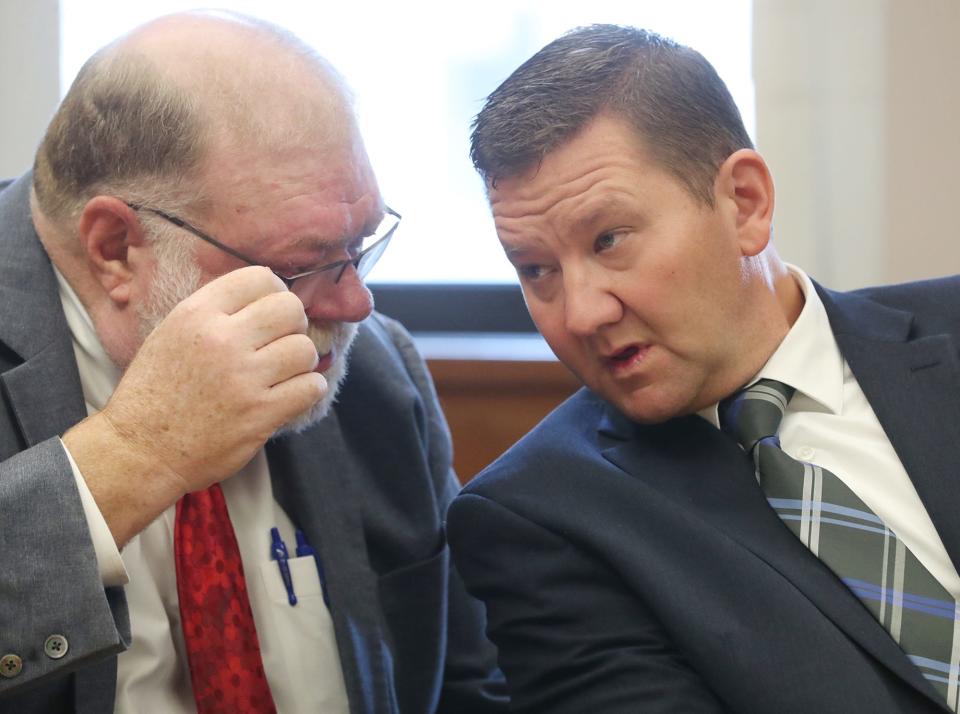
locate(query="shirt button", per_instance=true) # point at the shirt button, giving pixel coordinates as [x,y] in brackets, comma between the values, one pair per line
[805,453]
[55,646]
[10,665]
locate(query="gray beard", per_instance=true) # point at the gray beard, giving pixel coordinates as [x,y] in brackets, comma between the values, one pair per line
[176,277]
[341,336]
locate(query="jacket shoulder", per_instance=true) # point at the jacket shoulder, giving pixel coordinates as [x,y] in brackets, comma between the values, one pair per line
[566,436]
[934,304]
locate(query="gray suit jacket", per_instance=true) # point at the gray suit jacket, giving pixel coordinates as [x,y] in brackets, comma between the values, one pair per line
[369,485]
[630,568]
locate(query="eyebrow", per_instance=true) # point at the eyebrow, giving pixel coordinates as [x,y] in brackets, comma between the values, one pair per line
[512,250]
[320,243]
[314,242]
[597,212]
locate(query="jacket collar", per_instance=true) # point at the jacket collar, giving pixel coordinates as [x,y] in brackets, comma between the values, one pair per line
[43,386]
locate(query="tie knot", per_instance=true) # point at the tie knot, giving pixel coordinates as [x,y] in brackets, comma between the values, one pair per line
[754,413]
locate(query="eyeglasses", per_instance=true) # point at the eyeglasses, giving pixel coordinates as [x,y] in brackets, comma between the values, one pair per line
[307,285]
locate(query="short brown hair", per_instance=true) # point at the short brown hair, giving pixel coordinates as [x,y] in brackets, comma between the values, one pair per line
[669,93]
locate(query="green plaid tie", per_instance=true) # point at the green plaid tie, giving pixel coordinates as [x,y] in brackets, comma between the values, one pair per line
[850,539]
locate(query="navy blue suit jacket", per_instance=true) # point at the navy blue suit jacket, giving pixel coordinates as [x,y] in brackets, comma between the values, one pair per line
[632,568]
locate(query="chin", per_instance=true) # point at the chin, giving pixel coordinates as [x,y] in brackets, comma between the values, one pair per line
[647,406]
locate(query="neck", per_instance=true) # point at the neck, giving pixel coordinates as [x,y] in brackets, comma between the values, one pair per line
[777,297]
[773,305]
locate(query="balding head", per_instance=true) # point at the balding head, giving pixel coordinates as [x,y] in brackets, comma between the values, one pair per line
[150,114]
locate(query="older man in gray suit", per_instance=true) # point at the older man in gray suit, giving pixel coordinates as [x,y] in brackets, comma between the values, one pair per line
[159,383]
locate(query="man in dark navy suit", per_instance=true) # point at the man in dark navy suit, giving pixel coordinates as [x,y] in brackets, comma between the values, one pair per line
[631,551]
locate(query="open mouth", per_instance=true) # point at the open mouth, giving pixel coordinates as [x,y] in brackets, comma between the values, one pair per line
[324,362]
[625,355]
[624,362]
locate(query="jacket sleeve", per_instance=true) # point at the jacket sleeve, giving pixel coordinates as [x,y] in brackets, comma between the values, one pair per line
[571,637]
[472,683]
[50,584]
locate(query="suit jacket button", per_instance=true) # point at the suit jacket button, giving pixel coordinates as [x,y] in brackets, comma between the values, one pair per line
[10,666]
[55,646]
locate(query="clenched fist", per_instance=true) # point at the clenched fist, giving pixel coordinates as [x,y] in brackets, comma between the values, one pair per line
[218,376]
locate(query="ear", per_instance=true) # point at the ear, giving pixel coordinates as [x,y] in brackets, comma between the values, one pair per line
[110,232]
[745,185]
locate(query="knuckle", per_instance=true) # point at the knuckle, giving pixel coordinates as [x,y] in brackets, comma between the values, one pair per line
[304,345]
[216,340]
[292,303]
[319,384]
[188,307]
[270,277]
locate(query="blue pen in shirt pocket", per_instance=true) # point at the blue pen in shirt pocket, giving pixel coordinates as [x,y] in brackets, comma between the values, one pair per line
[278,551]
[304,548]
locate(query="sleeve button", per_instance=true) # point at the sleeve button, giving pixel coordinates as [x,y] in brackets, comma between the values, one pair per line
[10,666]
[55,646]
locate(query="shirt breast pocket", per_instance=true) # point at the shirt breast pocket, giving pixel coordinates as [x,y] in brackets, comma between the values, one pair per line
[303,573]
[298,644]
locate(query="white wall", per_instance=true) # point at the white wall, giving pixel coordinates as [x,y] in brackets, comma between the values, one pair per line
[856,107]
[922,176]
[29,78]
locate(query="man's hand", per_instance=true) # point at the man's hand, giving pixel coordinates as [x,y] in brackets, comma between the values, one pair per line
[226,368]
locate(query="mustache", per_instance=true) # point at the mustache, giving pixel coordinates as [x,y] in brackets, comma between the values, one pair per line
[335,337]
[327,337]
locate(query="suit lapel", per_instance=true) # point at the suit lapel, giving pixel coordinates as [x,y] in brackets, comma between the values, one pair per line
[45,393]
[912,385]
[314,480]
[44,389]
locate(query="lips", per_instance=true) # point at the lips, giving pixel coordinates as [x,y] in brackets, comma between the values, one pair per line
[323,364]
[626,357]
[328,341]
[625,354]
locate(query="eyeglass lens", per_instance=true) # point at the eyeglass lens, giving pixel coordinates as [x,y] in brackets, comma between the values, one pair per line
[310,287]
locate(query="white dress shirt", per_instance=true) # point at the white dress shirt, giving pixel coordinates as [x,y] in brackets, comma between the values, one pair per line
[297,643]
[829,422]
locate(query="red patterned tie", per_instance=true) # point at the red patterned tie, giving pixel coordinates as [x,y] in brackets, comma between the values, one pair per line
[221,638]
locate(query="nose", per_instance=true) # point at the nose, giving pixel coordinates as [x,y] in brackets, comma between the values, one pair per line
[348,300]
[588,304]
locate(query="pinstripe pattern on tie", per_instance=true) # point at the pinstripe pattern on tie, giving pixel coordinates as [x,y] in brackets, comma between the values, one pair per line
[850,539]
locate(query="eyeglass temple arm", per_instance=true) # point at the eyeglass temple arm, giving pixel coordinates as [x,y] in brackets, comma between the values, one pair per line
[180,223]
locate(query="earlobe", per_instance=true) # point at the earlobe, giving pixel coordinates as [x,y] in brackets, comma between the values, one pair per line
[746,182]
[109,229]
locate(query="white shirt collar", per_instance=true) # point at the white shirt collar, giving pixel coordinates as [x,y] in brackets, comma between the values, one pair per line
[98,374]
[808,358]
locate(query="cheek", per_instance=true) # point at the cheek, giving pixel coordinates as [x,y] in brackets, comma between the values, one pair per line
[547,319]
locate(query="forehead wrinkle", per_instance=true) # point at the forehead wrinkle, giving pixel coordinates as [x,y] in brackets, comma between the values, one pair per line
[575,209]
[598,209]
[530,199]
